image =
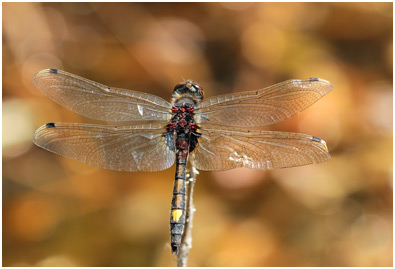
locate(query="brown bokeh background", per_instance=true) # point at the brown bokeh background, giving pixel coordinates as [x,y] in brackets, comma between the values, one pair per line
[58,212]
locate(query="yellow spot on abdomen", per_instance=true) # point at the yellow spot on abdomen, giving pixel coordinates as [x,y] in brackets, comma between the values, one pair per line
[176,213]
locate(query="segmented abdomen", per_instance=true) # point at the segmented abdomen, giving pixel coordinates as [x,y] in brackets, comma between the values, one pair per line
[178,205]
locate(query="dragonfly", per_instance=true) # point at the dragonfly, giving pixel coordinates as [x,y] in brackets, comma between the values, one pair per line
[147,133]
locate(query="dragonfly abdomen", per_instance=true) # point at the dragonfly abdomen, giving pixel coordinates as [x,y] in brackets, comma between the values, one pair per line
[177,216]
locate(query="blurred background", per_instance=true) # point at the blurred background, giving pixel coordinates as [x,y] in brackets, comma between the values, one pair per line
[59,212]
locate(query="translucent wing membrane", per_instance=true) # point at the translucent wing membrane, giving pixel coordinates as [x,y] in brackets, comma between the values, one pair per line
[144,148]
[223,148]
[128,148]
[97,101]
[262,107]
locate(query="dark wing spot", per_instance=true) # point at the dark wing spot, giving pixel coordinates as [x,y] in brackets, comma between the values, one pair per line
[314,79]
[316,139]
[53,70]
[50,125]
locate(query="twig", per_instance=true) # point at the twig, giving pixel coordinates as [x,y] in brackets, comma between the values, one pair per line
[186,242]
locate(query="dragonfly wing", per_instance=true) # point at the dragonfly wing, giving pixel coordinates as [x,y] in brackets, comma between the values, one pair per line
[222,149]
[262,107]
[127,148]
[100,102]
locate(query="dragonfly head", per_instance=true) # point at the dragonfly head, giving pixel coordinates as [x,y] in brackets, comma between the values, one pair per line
[190,89]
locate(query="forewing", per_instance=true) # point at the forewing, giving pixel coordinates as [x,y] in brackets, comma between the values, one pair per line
[127,148]
[266,106]
[100,102]
[222,149]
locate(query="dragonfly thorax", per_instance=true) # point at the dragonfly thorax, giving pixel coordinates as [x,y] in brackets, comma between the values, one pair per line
[182,120]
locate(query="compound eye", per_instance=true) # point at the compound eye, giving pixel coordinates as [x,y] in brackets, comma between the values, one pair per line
[200,90]
[179,85]
[197,86]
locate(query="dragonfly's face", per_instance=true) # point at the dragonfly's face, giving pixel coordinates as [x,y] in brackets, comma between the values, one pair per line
[189,88]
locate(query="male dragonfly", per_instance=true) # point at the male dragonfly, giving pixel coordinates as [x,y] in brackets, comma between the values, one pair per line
[211,134]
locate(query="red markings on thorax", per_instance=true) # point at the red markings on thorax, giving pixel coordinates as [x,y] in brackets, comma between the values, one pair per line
[182,120]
